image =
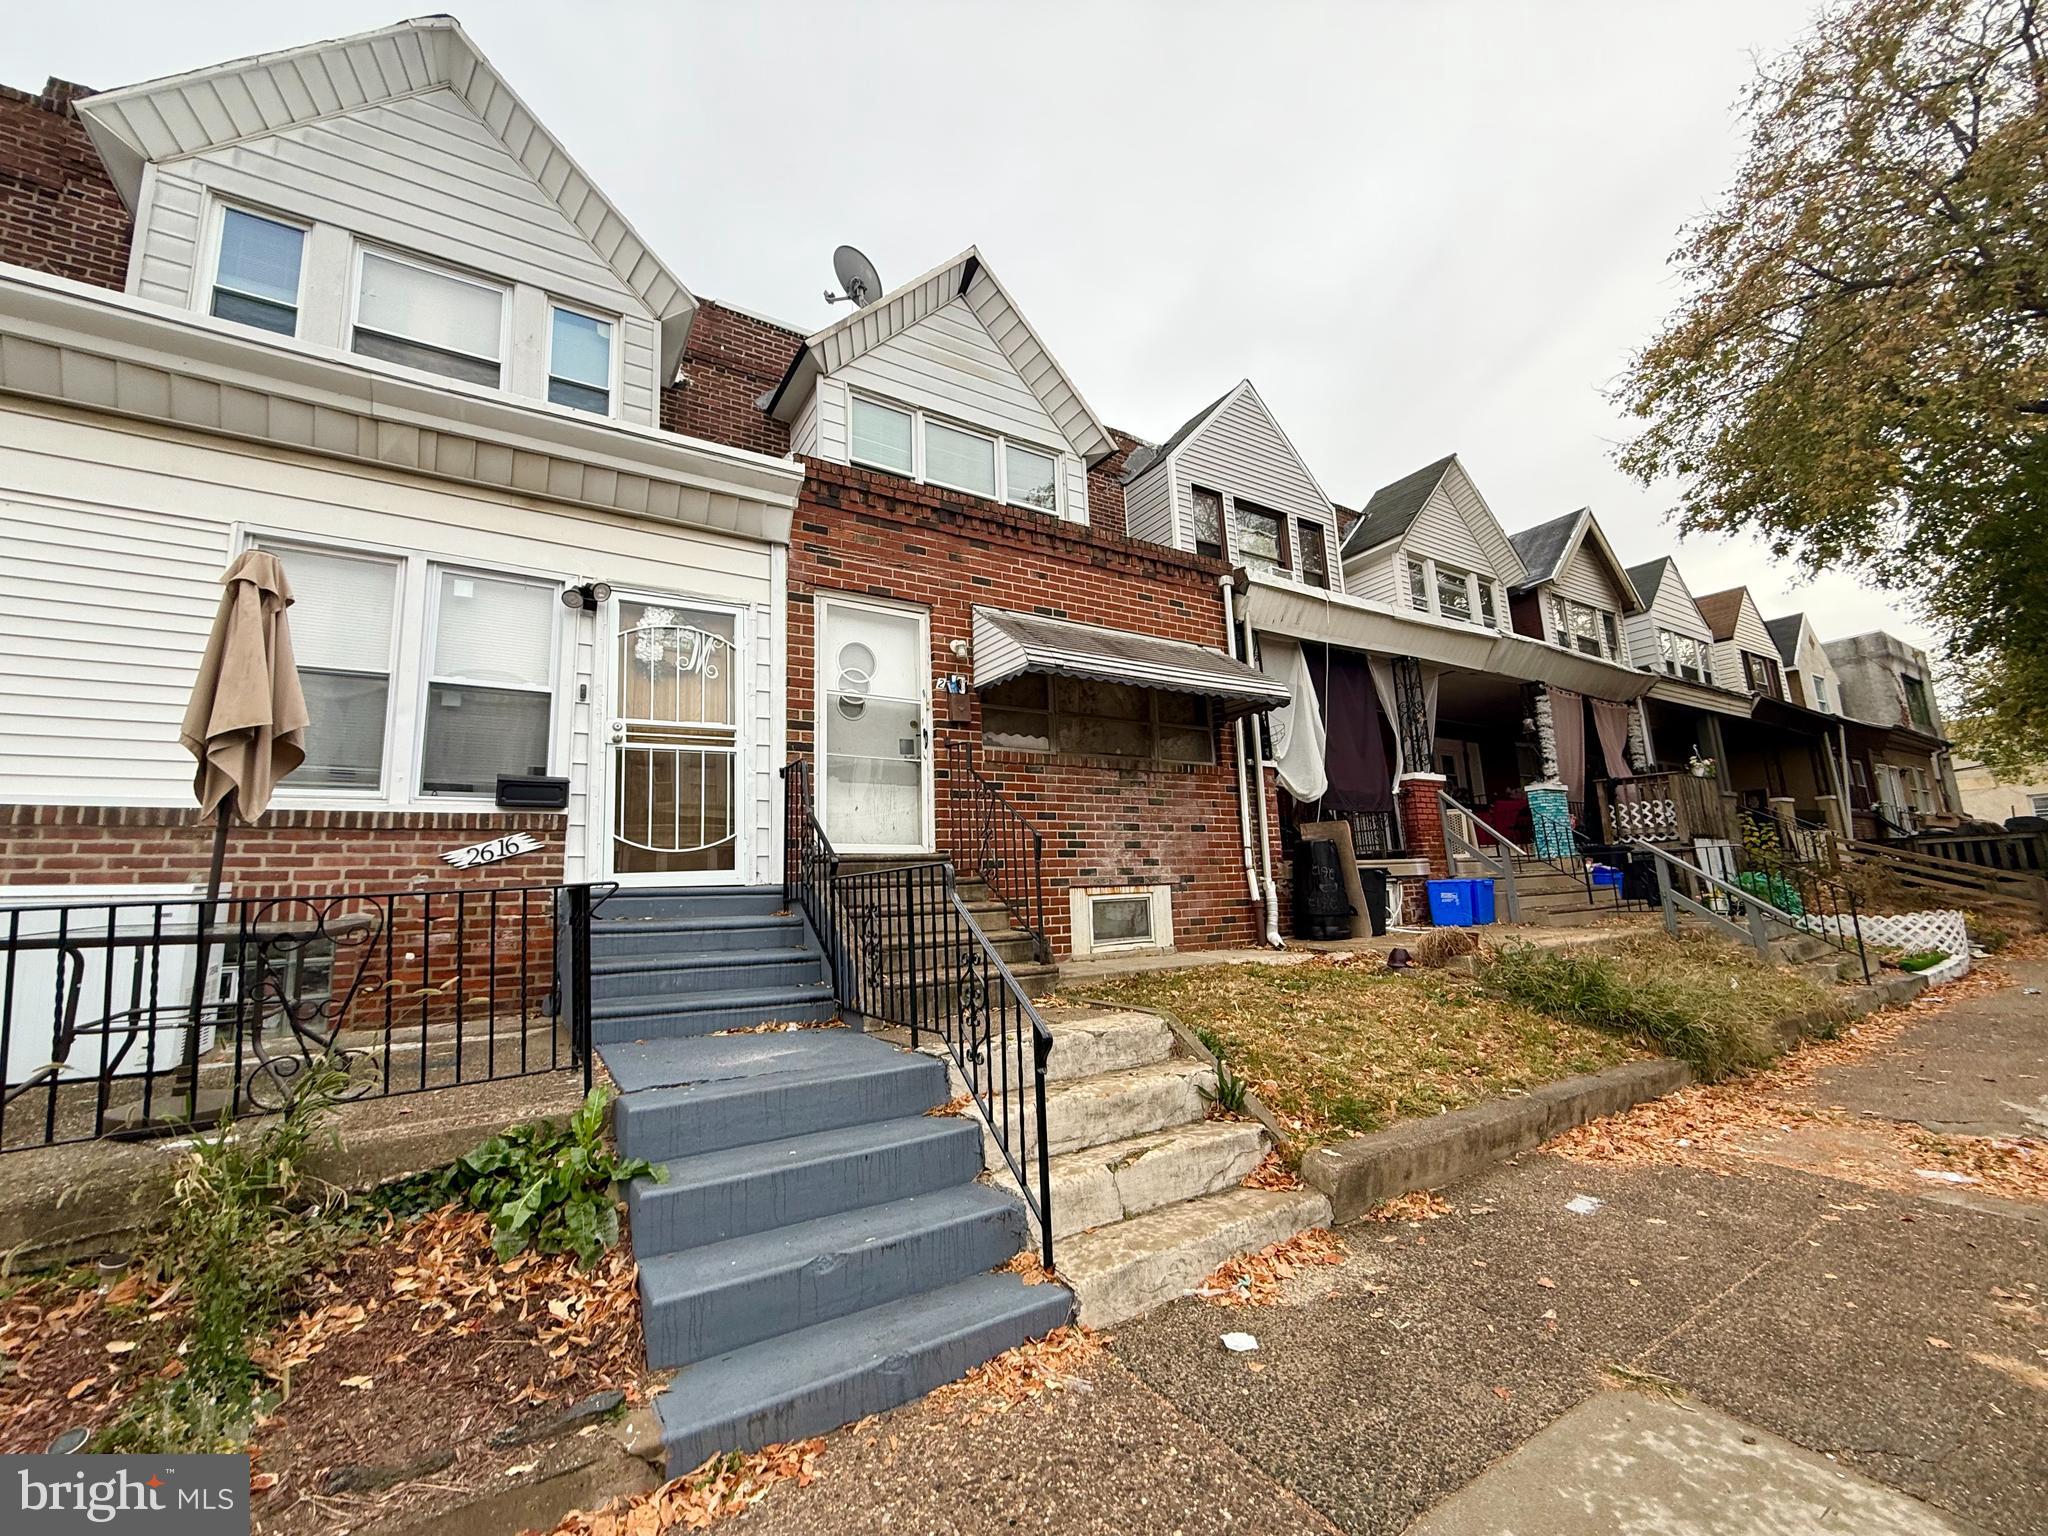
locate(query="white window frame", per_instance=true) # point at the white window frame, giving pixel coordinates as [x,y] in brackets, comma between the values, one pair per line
[547,367]
[1000,442]
[502,289]
[435,569]
[2039,804]
[1083,900]
[209,269]
[1564,612]
[412,632]
[1820,694]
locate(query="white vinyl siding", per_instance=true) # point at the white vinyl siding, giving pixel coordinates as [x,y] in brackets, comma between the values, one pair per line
[131,529]
[1380,577]
[1585,579]
[1672,609]
[421,175]
[1751,638]
[1148,507]
[1242,452]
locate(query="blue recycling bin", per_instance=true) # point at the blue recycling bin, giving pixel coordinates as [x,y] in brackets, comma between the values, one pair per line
[1460,903]
[1482,901]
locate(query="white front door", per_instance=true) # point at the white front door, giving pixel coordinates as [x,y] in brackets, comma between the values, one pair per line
[674,743]
[874,730]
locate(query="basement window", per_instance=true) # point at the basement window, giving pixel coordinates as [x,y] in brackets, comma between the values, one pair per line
[1121,919]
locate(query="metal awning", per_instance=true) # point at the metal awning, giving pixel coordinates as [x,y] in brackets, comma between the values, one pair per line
[1008,645]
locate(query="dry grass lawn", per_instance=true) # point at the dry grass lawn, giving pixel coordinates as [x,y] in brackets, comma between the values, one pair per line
[1337,1045]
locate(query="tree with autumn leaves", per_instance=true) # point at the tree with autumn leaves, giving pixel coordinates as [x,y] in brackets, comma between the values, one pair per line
[1859,369]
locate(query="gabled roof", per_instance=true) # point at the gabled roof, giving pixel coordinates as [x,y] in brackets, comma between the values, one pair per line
[1721,610]
[966,277]
[1393,507]
[1785,634]
[1545,548]
[1648,578]
[1146,458]
[208,109]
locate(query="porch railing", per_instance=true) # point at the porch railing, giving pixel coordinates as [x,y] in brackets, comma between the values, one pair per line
[1468,837]
[166,1014]
[988,836]
[1759,900]
[906,950]
[1662,808]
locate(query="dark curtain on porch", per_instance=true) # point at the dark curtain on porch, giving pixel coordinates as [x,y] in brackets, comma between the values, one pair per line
[1568,726]
[1356,752]
[1610,723]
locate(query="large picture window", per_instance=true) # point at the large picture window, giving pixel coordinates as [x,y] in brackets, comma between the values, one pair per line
[490,688]
[1089,718]
[422,317]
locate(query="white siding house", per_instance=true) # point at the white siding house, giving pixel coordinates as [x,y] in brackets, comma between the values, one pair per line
[1745,654]
[942,380]
[1429,542]
[1670,635]
[378,323]
[1575,592]
[1230,483]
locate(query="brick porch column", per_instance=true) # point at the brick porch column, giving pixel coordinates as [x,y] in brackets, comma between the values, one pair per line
[1422,821]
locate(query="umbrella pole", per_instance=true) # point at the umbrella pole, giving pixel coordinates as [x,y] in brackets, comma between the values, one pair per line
[213,877]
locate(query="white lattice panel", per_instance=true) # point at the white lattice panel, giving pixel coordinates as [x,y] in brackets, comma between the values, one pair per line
[1940,928]
[1654,821]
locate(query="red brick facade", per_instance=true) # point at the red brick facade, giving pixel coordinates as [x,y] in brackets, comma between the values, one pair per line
[292,850]
[59,211]
[1104,822]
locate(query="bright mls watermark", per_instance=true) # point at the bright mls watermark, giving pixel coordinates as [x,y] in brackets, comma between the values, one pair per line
[162,1495]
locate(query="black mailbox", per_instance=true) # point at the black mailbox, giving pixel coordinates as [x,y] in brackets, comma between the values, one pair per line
[532,792]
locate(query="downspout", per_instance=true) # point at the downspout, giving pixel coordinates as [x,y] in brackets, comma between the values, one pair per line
[1244,820]
[1245,740]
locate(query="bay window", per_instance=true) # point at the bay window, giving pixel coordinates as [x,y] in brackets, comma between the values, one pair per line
[422,317]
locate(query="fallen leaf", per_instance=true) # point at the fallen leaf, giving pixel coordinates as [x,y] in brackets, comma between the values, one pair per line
[357,1383]
[1939,1343]
[1546,1282]
[121,1347]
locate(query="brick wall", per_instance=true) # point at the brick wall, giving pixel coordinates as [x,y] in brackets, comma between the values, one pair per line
[293,850]
[59,211]
[1104,823]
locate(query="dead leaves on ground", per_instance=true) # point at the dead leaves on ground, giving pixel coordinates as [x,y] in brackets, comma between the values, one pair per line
[723,1487]
[1055,1363]
[1770,1116]
[1272,1173]
[1418,1206]
[1257,1279]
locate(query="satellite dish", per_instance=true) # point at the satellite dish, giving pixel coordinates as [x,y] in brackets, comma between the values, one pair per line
[857,276]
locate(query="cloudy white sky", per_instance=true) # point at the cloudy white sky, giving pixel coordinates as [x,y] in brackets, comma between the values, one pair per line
[1416,227]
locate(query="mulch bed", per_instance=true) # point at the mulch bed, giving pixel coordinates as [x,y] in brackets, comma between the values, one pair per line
[412,1345]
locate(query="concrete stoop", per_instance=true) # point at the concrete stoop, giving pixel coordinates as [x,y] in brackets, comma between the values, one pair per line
[1147,1192]
[820,1246]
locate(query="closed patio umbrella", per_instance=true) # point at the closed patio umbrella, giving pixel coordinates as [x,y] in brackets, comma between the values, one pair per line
[246,725]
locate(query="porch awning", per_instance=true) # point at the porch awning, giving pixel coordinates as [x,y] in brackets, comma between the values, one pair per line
[1008,645]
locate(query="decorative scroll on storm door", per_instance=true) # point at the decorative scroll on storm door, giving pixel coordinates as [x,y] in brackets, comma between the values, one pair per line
[674,742]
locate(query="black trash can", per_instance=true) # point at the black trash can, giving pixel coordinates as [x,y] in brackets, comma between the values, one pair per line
[1321,908]
[1375,883]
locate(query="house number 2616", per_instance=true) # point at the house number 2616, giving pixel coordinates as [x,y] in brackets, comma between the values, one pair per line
[496,851]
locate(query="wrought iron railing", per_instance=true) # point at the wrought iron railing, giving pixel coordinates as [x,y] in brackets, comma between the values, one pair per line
[810,864]
[989,837]
[1468,837]
[168,1013]
[917,958]
[1765,893]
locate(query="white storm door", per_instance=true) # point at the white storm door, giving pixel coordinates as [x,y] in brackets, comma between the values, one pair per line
[674,744]
[873,669]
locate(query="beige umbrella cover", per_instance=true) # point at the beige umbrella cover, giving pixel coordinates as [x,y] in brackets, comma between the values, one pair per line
[247,720]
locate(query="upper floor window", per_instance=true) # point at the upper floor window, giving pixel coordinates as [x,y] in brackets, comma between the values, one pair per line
[1315,552]
[1918,704]
[881,436]
[914,443]
[1686,657]
[1261,538]
[580,361]
[423,317]
[1208,510]
[256,280]
[1820,692]
[1760,675]
[1418,586]
[1454,594]
[1487,613]
[1584,628]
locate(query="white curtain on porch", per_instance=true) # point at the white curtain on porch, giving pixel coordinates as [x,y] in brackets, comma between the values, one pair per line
[1296,728]
[1383,684]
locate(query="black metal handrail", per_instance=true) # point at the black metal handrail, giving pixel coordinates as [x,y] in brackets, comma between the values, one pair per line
[1819,903]
[810,864]
[159,1014]
[989,836]
[917,958]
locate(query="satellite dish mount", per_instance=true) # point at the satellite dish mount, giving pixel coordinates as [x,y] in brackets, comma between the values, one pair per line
[857,276]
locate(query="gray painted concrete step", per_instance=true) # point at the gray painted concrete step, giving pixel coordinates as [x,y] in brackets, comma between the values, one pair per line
[832,1373]
[624,938]
[704,1013]
[704,971]
[741,1190]
[708,1058]
[698,901]
[663,1124]
[1133,1266]
[706,1301]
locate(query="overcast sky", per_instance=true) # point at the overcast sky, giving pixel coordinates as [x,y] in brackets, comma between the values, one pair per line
[1418,228]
